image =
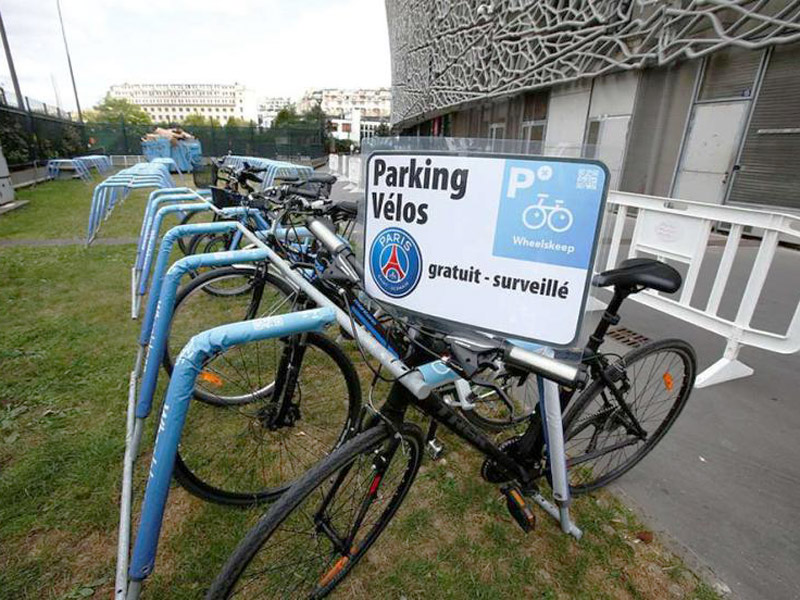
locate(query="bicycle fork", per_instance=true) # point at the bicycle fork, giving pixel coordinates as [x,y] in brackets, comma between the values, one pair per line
[347,546]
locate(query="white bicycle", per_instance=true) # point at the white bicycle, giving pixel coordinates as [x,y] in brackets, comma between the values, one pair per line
[557,218]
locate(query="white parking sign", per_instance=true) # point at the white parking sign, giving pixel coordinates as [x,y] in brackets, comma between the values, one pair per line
[500,243]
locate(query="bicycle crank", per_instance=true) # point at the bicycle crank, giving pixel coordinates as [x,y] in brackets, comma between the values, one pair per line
[494,473]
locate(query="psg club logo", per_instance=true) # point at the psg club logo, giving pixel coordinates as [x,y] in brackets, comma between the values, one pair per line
[395,262]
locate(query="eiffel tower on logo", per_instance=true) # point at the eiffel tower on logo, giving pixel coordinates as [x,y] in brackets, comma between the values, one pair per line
[393,266]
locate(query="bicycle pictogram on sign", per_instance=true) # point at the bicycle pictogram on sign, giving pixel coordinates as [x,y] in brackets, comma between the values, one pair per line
[557,218]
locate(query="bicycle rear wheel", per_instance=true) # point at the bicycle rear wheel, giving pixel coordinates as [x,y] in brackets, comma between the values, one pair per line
[318,531]
[208,243]
[244,373]
[601,441]
[192,217]
[243,454]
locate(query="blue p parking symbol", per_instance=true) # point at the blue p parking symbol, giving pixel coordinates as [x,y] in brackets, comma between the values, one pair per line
[549,212]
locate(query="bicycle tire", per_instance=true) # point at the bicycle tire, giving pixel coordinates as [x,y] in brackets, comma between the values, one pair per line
[576,419]
[209,472]
[196,311]
[290,507]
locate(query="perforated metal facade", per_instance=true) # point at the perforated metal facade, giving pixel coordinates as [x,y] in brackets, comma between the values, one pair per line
[446,53]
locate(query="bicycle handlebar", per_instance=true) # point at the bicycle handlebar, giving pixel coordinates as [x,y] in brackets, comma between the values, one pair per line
[298,191]
[474,354]
[338,248]
[550,368]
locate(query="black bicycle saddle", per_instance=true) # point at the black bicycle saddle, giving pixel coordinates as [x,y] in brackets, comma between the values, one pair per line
[644,272]
[322,178]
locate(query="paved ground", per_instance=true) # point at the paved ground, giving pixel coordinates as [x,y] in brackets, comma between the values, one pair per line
[724,485]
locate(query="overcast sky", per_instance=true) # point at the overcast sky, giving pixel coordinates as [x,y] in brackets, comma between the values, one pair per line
[276,47]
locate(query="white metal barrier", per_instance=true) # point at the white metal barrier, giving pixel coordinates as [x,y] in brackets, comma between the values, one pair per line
[126,160]
[349,167]
[679,230]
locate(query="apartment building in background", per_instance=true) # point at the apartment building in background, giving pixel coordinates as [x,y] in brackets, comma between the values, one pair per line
[354,114]
[173,102]
[268,108]
[374,104]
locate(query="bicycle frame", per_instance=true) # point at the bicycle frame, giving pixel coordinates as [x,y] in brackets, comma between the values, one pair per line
[436,408]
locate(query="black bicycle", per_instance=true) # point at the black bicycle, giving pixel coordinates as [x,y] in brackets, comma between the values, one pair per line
[314,535]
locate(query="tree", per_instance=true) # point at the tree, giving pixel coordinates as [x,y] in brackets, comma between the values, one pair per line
[235,122]
[286,117]
[383,130]
[196,120]
[342,146]
[112,110]
[15,141]
[315,116]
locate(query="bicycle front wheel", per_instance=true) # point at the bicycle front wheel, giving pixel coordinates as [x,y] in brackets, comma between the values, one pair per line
[318,531]
[602,442]
[492,414]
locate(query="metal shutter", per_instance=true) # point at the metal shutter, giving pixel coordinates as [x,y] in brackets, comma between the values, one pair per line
[769,166]
[663,102]
[730,73]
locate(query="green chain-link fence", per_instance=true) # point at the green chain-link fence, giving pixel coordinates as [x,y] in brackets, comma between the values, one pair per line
[29,136]
[123,138]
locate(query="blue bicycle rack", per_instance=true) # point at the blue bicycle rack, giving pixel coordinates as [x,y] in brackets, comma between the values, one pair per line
[135,562]
[275,169]
[116,187]
[57,166]
[100,162]
[184,154]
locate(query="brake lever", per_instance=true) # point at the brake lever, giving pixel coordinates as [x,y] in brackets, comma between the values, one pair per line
[470,361]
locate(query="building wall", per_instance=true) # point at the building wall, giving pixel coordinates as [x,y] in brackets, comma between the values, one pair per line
[712,120]
[355,127]
[334,102]
[768,173]
[662,108]
[268,109]
[566,118]
[450,52]
[612,104]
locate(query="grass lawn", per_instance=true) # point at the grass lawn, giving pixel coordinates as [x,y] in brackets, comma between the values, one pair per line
[60,210]
[66,348]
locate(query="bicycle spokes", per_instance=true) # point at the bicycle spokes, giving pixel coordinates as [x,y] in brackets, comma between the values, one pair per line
[626,416]
[320,540]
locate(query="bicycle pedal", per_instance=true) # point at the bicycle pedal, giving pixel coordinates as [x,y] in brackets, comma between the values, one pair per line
[519,508]
[435,449]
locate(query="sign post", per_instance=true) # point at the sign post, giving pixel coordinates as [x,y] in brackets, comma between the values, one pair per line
[503,244]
